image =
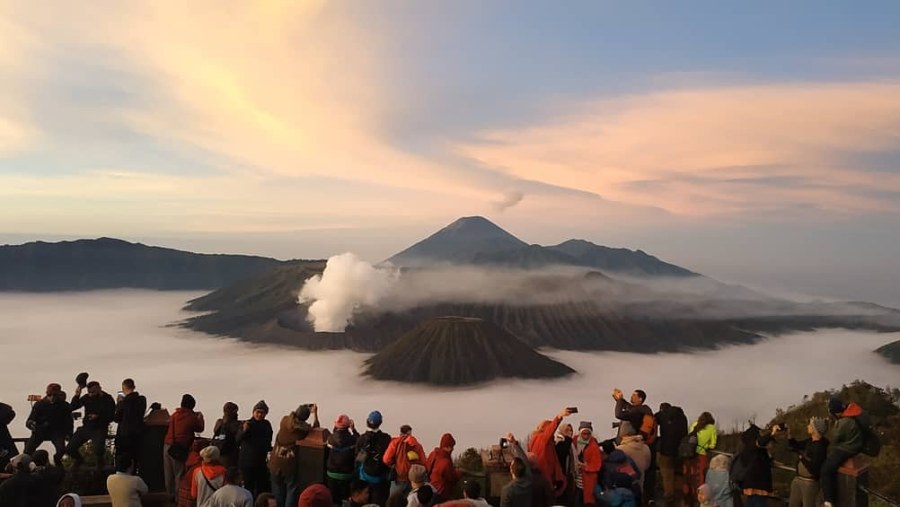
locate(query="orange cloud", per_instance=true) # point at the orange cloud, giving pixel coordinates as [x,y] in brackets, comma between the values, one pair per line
[715,150]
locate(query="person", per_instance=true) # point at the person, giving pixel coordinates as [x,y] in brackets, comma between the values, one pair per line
[209,477]
[255,441]
[619,478]
[404,451]
[370,449]
[695,468]
[129,416]
[472,494]
[99,410]
[359,494]
[183,424]
[543,445]
[191,465]
[8,447]
[564,440]
[444,476]
[51,476]
[341,458]
[231,494]
[634,447]
[543,492]
[845,441]
[316,495]
[519,491]
[265,500]
[632,412]
[50,420]
[125,488]
[225,435]
[283,464]
[805,487]
[751,470]
[588,462]
[673,427]
[22,489]
[418,480]
[719,480]
[69,500]
[705,496]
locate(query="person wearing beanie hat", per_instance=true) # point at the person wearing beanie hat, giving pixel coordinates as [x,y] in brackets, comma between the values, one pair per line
[586,451]
[209,477]
[845,441]
[316,495]
[284,461]
[225,435]
[444,476]
[371,447]
[183,424]
[813,451]
[255,442]
[341,458]
[397,457]
[50,420]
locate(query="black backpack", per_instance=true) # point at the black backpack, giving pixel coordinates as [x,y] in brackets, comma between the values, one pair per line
[687,448]
[871,440]
[371,456]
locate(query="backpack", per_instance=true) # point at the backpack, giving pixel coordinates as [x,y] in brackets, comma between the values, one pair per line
[871,441]
[649,428]
[370,457]
[402,463]
[687,448]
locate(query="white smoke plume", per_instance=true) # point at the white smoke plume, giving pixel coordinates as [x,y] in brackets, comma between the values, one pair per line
[346,284]
[509,200]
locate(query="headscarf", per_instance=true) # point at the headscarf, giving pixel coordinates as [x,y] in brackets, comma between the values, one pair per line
[73,496]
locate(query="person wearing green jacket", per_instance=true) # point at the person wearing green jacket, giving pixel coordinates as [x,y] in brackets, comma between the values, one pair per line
[846,440]
[695,468]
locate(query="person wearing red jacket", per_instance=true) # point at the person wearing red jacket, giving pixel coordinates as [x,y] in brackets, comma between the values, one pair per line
[443,474]
[543,445]
[588,461]
[403,451]
[182,426]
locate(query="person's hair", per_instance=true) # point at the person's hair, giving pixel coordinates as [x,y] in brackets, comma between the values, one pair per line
[263,500]
[472,489]
[642,395]
[40,458]
[398,500]
[92,384]
[188,401]
[608,446]
[405,429]
[230,407]
[129,383]
[122,465]
[233,475]
[664,406]
[705,420]
[518,467]
[425,495]
[357,485]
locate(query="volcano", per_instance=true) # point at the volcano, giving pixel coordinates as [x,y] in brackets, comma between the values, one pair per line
[452,351]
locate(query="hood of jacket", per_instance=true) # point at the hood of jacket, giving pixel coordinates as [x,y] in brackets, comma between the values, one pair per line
[852,410]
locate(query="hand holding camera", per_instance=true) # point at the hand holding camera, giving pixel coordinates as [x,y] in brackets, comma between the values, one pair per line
[617,394]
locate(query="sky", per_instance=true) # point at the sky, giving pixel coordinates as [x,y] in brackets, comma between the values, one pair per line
[755,142]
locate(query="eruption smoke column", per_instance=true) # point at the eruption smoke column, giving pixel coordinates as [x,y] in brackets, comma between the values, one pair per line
[346,284]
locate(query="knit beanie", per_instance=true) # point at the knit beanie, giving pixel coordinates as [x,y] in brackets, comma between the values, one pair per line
[302,412]
[585,425]
[261,405]
[342,422]
[447,440]
[820,425]
[836,406]
[230,408]
[209,454]
[316,495]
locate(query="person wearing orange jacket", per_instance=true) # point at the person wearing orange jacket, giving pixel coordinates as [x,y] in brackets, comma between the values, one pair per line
[403,451]
[588,461]
[439,464]
[543,445]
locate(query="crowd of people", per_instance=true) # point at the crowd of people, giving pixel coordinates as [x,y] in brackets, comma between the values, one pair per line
[249,463]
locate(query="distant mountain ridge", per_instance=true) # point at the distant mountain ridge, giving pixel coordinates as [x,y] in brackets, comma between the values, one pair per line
[478,241]
[108,263]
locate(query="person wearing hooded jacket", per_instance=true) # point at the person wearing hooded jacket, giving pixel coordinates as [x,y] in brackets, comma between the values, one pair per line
[283,463]
[209,478]
[341,458]
[751,469]
[255,441]
[845,441]
[183,423]
[403,444]
[225,435]
[439,464]
[543,445]
[673,427]
[370,448]
[588,462]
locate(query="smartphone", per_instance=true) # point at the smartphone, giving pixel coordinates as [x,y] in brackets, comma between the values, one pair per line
[504,443]
[572,410]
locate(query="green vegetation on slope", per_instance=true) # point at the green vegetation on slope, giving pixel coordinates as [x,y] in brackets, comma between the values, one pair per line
[891,351]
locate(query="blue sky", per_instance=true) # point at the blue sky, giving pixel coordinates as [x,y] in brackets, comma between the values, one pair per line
[756,142]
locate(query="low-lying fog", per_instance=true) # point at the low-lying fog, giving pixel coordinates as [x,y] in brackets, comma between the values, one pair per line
[118,334]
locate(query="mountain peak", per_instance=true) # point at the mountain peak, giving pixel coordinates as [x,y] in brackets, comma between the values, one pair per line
[459,243]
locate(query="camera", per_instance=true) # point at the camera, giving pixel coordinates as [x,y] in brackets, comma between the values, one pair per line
[504,443]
